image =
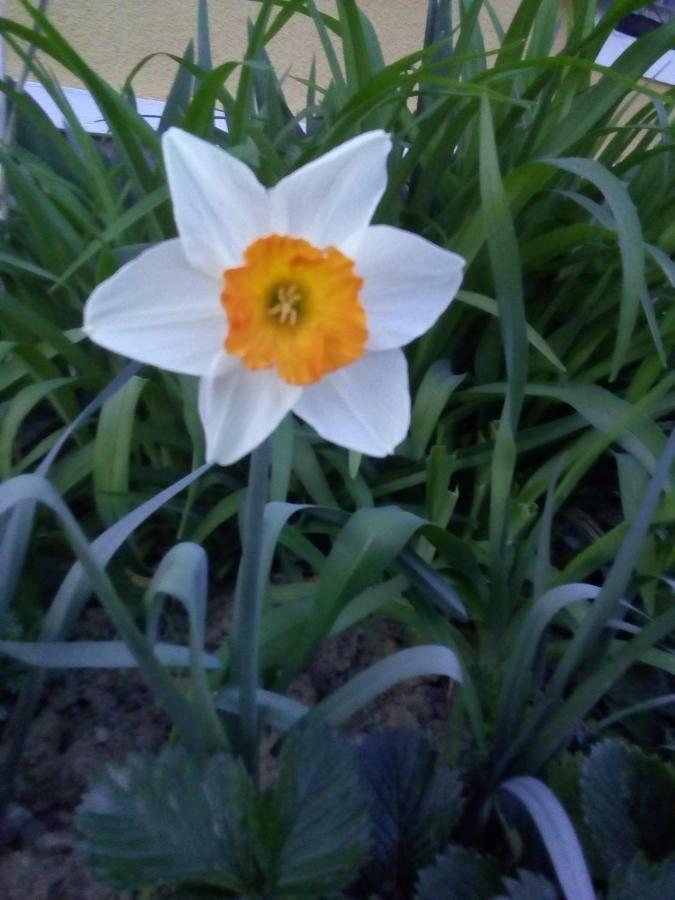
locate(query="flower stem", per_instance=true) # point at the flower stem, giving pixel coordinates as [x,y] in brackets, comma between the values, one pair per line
[245,640]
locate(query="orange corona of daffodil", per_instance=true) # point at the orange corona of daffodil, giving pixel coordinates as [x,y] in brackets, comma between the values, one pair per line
[281,299]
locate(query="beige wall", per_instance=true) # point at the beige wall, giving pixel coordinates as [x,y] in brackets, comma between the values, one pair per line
[113,35]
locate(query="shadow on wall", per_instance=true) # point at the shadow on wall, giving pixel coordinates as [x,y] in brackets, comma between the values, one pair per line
[650,17]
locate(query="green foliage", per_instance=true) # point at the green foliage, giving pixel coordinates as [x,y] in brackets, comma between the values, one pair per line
[177,819]
[644,880]
[522,530]
[458,874]
[529,886]
[415,804]
[164,820]
[606,790]
[629,803]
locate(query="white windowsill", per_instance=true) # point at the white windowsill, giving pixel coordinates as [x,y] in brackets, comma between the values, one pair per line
[85,107]
[87,111]
[663,69]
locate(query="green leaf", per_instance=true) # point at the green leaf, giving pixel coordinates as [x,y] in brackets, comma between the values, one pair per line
[652,804]
[436,387]
[505,263]
[633,480]
[517,674]
[279,711]
[490,306]
[640,879]
[356,46]
[310,473]
[458,874]
[368,602]
[413,662]
[543,738]
[183,574]
[606,785]
[282,459]
[140,211]
[203,36]
[88,575]
[366,545]
[432,585]
[322,815]
[180,819]
[97,655]
[114,437]
[631,245]
[18,410]
[593,106]
[628,424]
[178,98]
[529,886]
[170,819]
[557,833]
[114,385]
[414,804]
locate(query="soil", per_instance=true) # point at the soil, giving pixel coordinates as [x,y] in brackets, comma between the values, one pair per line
[90,718]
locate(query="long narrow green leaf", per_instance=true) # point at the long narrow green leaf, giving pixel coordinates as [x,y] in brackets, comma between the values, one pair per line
[517,674]
[33,488]
[490,306]
[383,675]
[183,574]
[558,835]
[18,409]
[631,245]
[97,655]
[72,594]
[112,449]
[367,544]
[564,717]
[505,262]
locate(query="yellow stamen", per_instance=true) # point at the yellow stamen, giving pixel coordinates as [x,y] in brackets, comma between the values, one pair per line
[288,297]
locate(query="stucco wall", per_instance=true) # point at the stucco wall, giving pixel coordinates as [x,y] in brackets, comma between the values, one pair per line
[113,35]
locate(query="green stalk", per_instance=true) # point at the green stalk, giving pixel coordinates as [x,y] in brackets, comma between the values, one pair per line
[245,641]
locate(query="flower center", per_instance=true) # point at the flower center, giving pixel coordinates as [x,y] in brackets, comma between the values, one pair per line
[294,307]
[285,301]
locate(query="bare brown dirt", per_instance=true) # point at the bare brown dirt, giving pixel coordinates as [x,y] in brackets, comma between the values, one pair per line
[91,718]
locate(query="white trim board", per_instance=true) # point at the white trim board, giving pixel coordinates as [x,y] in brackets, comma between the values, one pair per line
[85,107]
[663,69]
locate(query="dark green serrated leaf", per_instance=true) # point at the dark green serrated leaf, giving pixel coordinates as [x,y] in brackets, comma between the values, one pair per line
[641,881]
[180,820]
[168,820]
[414,804]
[322,814]
[629,803]
[458,874]
[652,804]
[605,789]
[529,886]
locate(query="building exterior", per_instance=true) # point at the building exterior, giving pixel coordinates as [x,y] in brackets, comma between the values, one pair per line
[114,35]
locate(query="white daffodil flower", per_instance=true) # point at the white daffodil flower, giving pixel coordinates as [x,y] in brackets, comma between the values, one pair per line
[281,299]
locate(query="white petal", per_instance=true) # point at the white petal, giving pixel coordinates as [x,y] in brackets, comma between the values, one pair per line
[407,283]
[335,196]
[159,310]
[218,204]
[365,406]
[239,408]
